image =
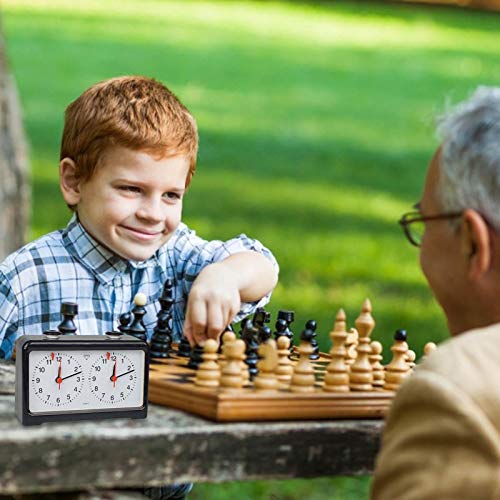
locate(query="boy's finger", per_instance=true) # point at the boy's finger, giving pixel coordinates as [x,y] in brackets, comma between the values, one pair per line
[187,330]
[196,317]
[215,321]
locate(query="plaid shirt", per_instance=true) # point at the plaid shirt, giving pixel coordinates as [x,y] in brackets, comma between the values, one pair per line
[70,266]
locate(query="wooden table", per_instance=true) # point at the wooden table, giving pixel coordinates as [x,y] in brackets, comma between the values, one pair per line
[172,446]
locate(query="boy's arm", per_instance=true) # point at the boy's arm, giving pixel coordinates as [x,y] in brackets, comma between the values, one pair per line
[8,318]
[220,288]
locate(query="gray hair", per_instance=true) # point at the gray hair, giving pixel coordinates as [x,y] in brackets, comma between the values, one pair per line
[470,155]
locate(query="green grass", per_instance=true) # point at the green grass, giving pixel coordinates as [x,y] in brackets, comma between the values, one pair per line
[316,125]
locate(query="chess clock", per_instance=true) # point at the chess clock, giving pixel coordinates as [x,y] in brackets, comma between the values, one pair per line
[80,377]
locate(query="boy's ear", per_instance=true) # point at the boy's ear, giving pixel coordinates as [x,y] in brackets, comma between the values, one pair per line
[476,243]
[69,181]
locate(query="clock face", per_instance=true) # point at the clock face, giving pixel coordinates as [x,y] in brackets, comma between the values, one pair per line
[85,380]
[57,379]
[112,377]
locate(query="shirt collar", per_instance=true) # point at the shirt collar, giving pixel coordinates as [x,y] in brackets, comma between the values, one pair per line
[98,259]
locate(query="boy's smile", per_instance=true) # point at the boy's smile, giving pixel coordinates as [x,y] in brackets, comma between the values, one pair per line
[132,204]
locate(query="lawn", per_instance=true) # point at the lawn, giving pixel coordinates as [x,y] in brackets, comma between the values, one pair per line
[316,126]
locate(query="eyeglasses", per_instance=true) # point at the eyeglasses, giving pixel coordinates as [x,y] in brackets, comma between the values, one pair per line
[413,224]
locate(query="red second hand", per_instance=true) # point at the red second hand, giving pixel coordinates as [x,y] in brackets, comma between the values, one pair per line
[113,378]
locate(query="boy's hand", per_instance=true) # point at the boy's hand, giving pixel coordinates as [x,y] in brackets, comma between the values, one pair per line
[214,300]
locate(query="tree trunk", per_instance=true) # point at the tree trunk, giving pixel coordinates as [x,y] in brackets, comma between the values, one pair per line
[14,188]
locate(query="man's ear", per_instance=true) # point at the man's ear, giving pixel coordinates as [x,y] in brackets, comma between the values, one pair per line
[69,181]
[476,243]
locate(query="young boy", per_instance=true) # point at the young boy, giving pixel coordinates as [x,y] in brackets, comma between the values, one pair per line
[128,155]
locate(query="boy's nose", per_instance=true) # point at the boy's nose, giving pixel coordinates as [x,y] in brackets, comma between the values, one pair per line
[151,210]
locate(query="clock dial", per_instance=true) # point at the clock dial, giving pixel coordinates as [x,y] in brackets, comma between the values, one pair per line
[112,377]
[57,379]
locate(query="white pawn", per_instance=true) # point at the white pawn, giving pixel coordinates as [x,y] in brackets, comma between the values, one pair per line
[377,367]
[266,378]
[410,358]
[208,373]
[231,377]
[429,348]
[303,378]
[397,370]
[284,371]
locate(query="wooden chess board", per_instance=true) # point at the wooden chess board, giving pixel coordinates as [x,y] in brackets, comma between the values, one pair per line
[171,383]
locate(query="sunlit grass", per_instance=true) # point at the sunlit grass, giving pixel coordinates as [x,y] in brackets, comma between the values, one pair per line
[316,125]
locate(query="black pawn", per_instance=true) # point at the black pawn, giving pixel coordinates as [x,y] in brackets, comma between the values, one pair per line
[196,357]
[250,336]
[161,339]
[400,335]
[307,335]
[137,328]
[311,325]
[125,320]
[184,348]
[67,326]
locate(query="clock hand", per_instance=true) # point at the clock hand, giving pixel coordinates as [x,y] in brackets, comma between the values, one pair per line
[126,373]
[113,376]
[69,376]
[59,379]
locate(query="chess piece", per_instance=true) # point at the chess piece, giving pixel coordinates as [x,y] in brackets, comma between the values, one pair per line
[195,357]
[184,348]
[410,359]
[249,336]
[137,328]
[231,376]
[397,370]
[337,377]
[67,326]
[124,320]
[208,373]
[303,378]
[280,329]
[284,370]
[360,376]
[289,317]
[264,334]
[429,348]
[161,340]
[351,345]
[266,378]
[227,337]
[378,370]
[261,317]
[311,325]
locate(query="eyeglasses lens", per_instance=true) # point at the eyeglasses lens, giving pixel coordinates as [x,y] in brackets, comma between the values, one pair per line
[416,230]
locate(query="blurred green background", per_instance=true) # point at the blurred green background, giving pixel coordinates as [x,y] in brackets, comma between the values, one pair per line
[316,126]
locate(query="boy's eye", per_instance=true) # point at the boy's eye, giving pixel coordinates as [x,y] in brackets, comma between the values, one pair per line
[130,189]
[172,195]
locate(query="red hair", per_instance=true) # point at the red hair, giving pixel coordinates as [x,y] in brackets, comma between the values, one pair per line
[135,112]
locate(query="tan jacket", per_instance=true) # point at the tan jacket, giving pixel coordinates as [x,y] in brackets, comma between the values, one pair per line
[442,436]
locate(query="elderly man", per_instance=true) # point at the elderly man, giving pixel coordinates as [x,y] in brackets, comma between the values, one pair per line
[442,437]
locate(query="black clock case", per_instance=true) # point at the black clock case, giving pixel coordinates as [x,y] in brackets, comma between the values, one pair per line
[28,343]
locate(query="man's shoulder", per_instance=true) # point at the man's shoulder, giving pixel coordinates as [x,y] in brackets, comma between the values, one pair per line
[31,255]
[464,368]
[472,355]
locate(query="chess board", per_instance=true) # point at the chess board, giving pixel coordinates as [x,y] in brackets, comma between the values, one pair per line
[171,383]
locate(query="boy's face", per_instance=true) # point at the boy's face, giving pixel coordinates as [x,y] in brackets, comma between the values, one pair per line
[133,202]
